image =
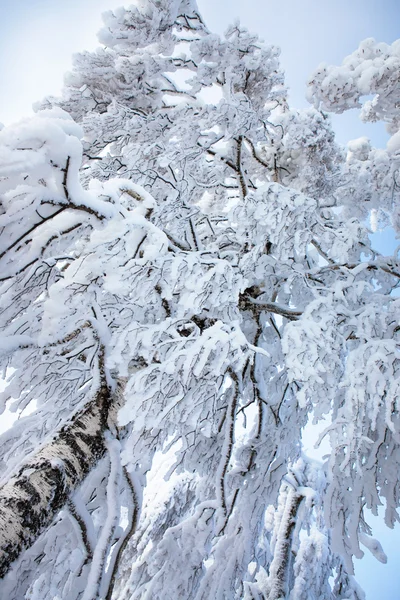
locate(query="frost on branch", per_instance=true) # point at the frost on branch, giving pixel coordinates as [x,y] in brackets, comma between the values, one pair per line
[371,70]
[200,260]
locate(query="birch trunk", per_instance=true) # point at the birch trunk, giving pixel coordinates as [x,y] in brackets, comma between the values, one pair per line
[31,498]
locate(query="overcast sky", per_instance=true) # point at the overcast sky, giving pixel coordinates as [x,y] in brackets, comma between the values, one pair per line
[38,37]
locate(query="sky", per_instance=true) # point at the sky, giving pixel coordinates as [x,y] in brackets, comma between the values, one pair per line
[38,37]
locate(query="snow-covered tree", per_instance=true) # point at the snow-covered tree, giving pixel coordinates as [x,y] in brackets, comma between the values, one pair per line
[186,283]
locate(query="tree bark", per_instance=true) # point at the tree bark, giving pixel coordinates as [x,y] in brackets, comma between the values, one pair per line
[280,565]
[31,498]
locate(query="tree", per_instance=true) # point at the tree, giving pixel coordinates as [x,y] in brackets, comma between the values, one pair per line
[183,291]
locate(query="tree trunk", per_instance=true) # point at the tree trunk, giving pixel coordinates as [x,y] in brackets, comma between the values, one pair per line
[31,498]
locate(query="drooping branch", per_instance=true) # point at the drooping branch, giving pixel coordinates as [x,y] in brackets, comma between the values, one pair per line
[41,253]
[31,230]
[60,205]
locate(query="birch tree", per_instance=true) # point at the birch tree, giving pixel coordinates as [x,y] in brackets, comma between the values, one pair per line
[187,282]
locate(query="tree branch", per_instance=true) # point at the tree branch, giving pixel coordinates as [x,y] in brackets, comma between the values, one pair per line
[248,303]
[242,180]
[280,563]
[254,153]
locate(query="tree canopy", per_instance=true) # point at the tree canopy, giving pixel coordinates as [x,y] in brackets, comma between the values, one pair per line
[187,282]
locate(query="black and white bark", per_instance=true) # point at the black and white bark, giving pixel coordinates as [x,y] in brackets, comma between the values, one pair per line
[34,495]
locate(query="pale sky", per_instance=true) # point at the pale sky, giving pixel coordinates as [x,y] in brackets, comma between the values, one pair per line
[38,37]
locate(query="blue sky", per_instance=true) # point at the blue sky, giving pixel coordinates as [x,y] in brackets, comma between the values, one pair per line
[37,38]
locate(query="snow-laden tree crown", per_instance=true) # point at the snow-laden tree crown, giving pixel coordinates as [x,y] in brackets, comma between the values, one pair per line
[187,281]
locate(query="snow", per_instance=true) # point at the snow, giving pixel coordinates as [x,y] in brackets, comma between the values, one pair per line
[11,343]
[393,145]
[220,334]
